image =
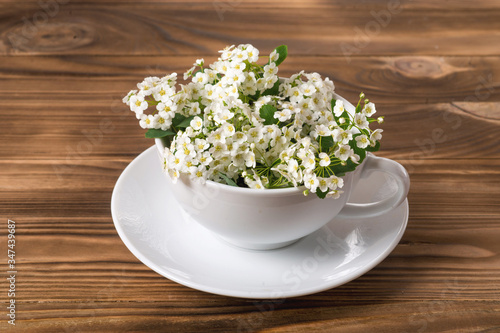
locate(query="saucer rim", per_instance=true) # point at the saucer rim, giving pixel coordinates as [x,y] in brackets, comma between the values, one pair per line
[245,294]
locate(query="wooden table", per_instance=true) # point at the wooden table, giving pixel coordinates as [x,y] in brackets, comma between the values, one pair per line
[432,68]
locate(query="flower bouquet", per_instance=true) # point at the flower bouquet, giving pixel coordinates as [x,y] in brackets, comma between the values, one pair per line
[237,123]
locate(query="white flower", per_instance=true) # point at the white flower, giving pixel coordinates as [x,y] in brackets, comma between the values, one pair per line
[201,77]
[324,159]
[335,182]
[216,137]
[294,94]
[334,194]
[283,115]
[218,150]
[355,158]
[309,162]
[252,53]
[227,52]
[322,130]
[274,56]
[205,158]
[369,109]
[200,174]
[295,172]
[376,135]
[222,66]
[147,86]
[138,104]
[235,76]
[362,141]
[199,62]
[164,120]
[239,137]
[344,152]
[241,55]
[311,181]
[271,132]
[196,123]
[307,89]
[228,129]
[201,144]
[194,108]
[270,70]
[223,116]
[147,121]
[270,81]
[339,108]
[342,136]
[360,121]
[189,151]
[255,134]
[250,159]
[323,184]
[126,99]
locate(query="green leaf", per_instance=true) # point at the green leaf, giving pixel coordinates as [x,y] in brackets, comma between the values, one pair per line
[326,143]
[185,122]
[321,194]
[282,50]
[358,107]
[178,118]
[275,163]
[228,180]
[158,133]
[340,169]
[275,90]
[375,148]
[334,101]
[267,113]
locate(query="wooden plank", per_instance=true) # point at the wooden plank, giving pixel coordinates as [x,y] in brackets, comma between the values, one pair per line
[438,315]
[181,29]
[284,4]
[401,79]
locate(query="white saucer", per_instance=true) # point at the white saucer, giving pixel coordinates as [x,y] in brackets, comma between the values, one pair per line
[168,241]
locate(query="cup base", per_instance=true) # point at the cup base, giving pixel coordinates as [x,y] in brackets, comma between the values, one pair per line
[256,246]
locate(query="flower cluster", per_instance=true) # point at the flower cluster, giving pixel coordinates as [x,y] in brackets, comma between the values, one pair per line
[237,122]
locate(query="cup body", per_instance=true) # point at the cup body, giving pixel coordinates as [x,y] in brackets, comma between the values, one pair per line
[258,219]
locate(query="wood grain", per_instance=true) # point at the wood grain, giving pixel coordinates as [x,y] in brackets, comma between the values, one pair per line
[65,137]
[181,28]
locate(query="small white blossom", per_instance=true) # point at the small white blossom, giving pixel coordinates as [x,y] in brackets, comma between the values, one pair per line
[339,108]
[335,182]
[369,109]
[309,162]
[270,70]
[126,99]
[311,181]
[376,135]
[360,121]
[196,123]
[344,152]
[362,141]
[342,136]
[201,78]
[274,56]
[324,159]
[138,104]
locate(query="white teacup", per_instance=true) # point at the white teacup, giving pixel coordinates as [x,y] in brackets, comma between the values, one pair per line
[270,219]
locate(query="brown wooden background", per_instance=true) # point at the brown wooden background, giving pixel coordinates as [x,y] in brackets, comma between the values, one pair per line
[433,71]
